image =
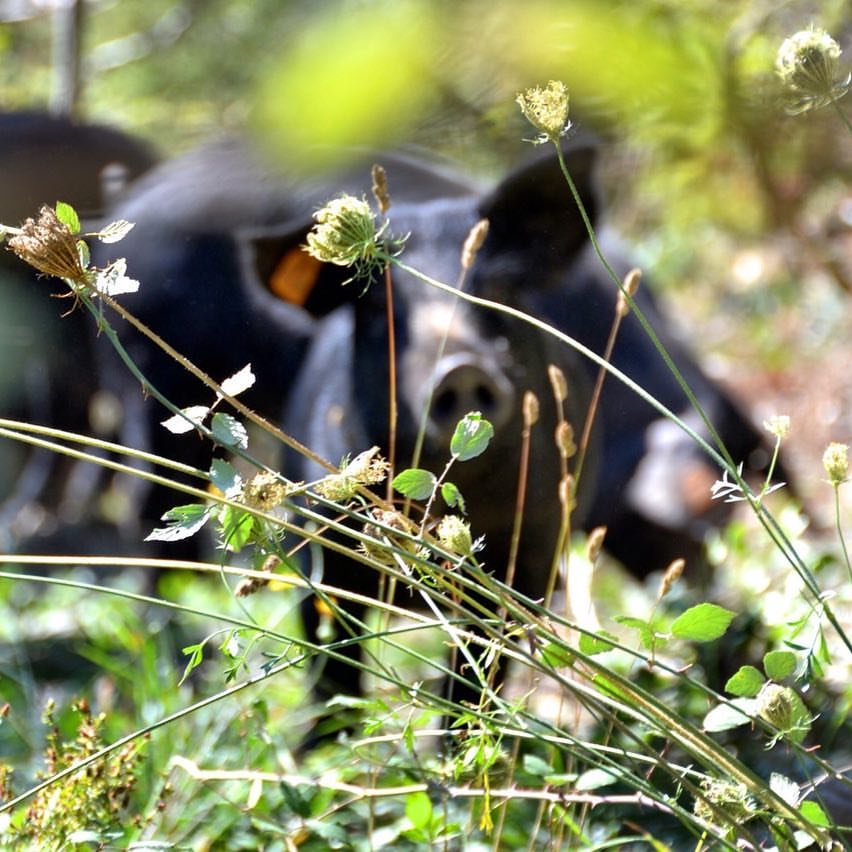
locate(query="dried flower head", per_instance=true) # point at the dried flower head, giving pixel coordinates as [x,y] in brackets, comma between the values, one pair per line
[808,64]
[473,243]
[249,585]
[732,798]
[547,110]
[835,460]
[594,544]
[264,491]
[631,285]
[670,577]
[565,440]
[367,468]
[454,535]
[380,188]
[346,234]
[531,409]
[48,245]
[557,382]
[381,552]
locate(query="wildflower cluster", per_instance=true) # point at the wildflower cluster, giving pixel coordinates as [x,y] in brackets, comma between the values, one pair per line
[546,109]
[386,554]
[835,460]
[264,491]
[93,799]
[367,468]
[346,234]
[808,64]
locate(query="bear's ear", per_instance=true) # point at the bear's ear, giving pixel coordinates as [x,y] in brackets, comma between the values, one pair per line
[276,261]
[533,211]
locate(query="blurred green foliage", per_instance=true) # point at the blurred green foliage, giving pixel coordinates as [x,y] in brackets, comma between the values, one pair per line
[683,90]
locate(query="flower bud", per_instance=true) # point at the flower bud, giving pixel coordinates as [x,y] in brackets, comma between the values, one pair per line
[454,535]
[782,707]
[835,460]
[473,243]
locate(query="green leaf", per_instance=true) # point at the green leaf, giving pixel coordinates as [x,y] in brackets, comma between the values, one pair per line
[68,216]
[415,483]
[228,431]
[418,809]
[727,716]
[645,628]
[779,664]
[745,682]
[452,496]
[556,656]
[183,522]
[196,656]
[598,644]
[593,779]
[534,765]
[812,812]
[471,437]
[237,527]
[224,476]
[702,623]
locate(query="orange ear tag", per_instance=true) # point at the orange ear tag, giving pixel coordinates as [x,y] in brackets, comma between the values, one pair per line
[294,276]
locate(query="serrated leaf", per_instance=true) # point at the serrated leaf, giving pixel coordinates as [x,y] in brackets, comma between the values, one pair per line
[416,483]
[196,656]
[236,528]
[224,476]
[534,765]
[115,231]
[418,809]
[746,681]
[812,812]
[646,631]
[702,623]
[192,417]
[228,431]
[184,521]
[68,216]
[785,788]
[726,716]
[113,281]
[452,496]
[597,644]
[594,779]
[779,664]
[471,437]
[556,656]
[241,380]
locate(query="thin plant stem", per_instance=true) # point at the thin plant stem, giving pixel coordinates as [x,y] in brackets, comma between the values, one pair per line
[839,525]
